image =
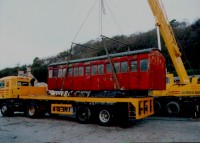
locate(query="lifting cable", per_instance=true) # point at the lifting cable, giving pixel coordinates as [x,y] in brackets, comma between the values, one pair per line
[84,20]
[67,67]
[187,61]
[101,12]
[89,48]
[70,52]
[117,24]
[115,40]
[110,61]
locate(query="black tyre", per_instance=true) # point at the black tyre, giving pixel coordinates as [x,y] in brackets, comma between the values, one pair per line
[31,110]
[173,108]
[83,114]
[157,107]
[105,117]
[6,110]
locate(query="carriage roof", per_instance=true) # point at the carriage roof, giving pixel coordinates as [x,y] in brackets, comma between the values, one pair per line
[105,56]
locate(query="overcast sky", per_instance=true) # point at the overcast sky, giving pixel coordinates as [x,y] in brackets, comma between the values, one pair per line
[43,28]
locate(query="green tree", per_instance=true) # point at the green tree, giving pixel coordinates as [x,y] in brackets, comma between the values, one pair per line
[40,73]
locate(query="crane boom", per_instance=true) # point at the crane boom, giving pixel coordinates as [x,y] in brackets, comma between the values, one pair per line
[169,39]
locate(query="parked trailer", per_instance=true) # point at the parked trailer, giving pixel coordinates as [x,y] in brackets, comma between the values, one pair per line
[17,94]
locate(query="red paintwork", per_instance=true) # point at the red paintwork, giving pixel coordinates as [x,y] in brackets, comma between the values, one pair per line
[153,78]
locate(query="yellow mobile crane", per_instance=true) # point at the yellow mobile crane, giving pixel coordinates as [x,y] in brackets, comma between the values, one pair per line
[177,95]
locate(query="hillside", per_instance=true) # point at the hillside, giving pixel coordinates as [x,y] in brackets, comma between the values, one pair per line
[188,37]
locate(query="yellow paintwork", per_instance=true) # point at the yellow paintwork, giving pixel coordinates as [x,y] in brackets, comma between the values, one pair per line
[178,90]
[29,90]
[138,103]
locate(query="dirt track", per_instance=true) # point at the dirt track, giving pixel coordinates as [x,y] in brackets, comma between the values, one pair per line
[21,129]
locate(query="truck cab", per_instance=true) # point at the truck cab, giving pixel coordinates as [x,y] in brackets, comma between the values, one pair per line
[10,86]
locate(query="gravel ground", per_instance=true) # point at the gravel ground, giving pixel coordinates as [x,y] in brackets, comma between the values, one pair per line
[21,129]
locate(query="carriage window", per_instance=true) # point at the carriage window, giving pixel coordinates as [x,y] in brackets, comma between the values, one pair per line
[80,71]
[117,67]
[64,73]
[75,71]
[87,70]
[60,73]
[144,65]
[55,73]
[94,69]
[70,72]
[134,66]
[50,73]
[100,69]
[124,66]
[108,68]
[2,84]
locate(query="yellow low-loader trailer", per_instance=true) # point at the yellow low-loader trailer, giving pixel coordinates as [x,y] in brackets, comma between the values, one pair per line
[16,94]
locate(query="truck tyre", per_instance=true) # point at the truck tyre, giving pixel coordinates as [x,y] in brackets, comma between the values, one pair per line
[157,107]
[173,108]
[83,114]
[31,110]
[6,110]
[105,117]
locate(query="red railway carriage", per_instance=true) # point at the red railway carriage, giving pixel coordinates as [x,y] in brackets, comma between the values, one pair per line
[135,70]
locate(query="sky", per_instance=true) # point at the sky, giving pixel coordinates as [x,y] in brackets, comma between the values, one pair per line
[44,28]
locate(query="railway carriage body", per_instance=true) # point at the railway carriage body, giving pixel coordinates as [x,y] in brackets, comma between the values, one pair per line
[135,70]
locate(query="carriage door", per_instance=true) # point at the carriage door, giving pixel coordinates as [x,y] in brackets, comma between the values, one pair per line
[61,77]
[133,74]
[124,79]
[143,74]
[52,78]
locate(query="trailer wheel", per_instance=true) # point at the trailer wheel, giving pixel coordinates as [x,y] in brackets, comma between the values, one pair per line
[83,114]
[173,108]
[6,110]
[105,117]
[157,107]
[31,110]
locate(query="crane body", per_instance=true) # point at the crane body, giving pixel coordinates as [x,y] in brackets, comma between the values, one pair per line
[177,95]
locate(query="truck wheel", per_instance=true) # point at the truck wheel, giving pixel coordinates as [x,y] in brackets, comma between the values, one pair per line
[105,117]
[173,108]
[83,114]
[157,107]
[31,110]
[6,111]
